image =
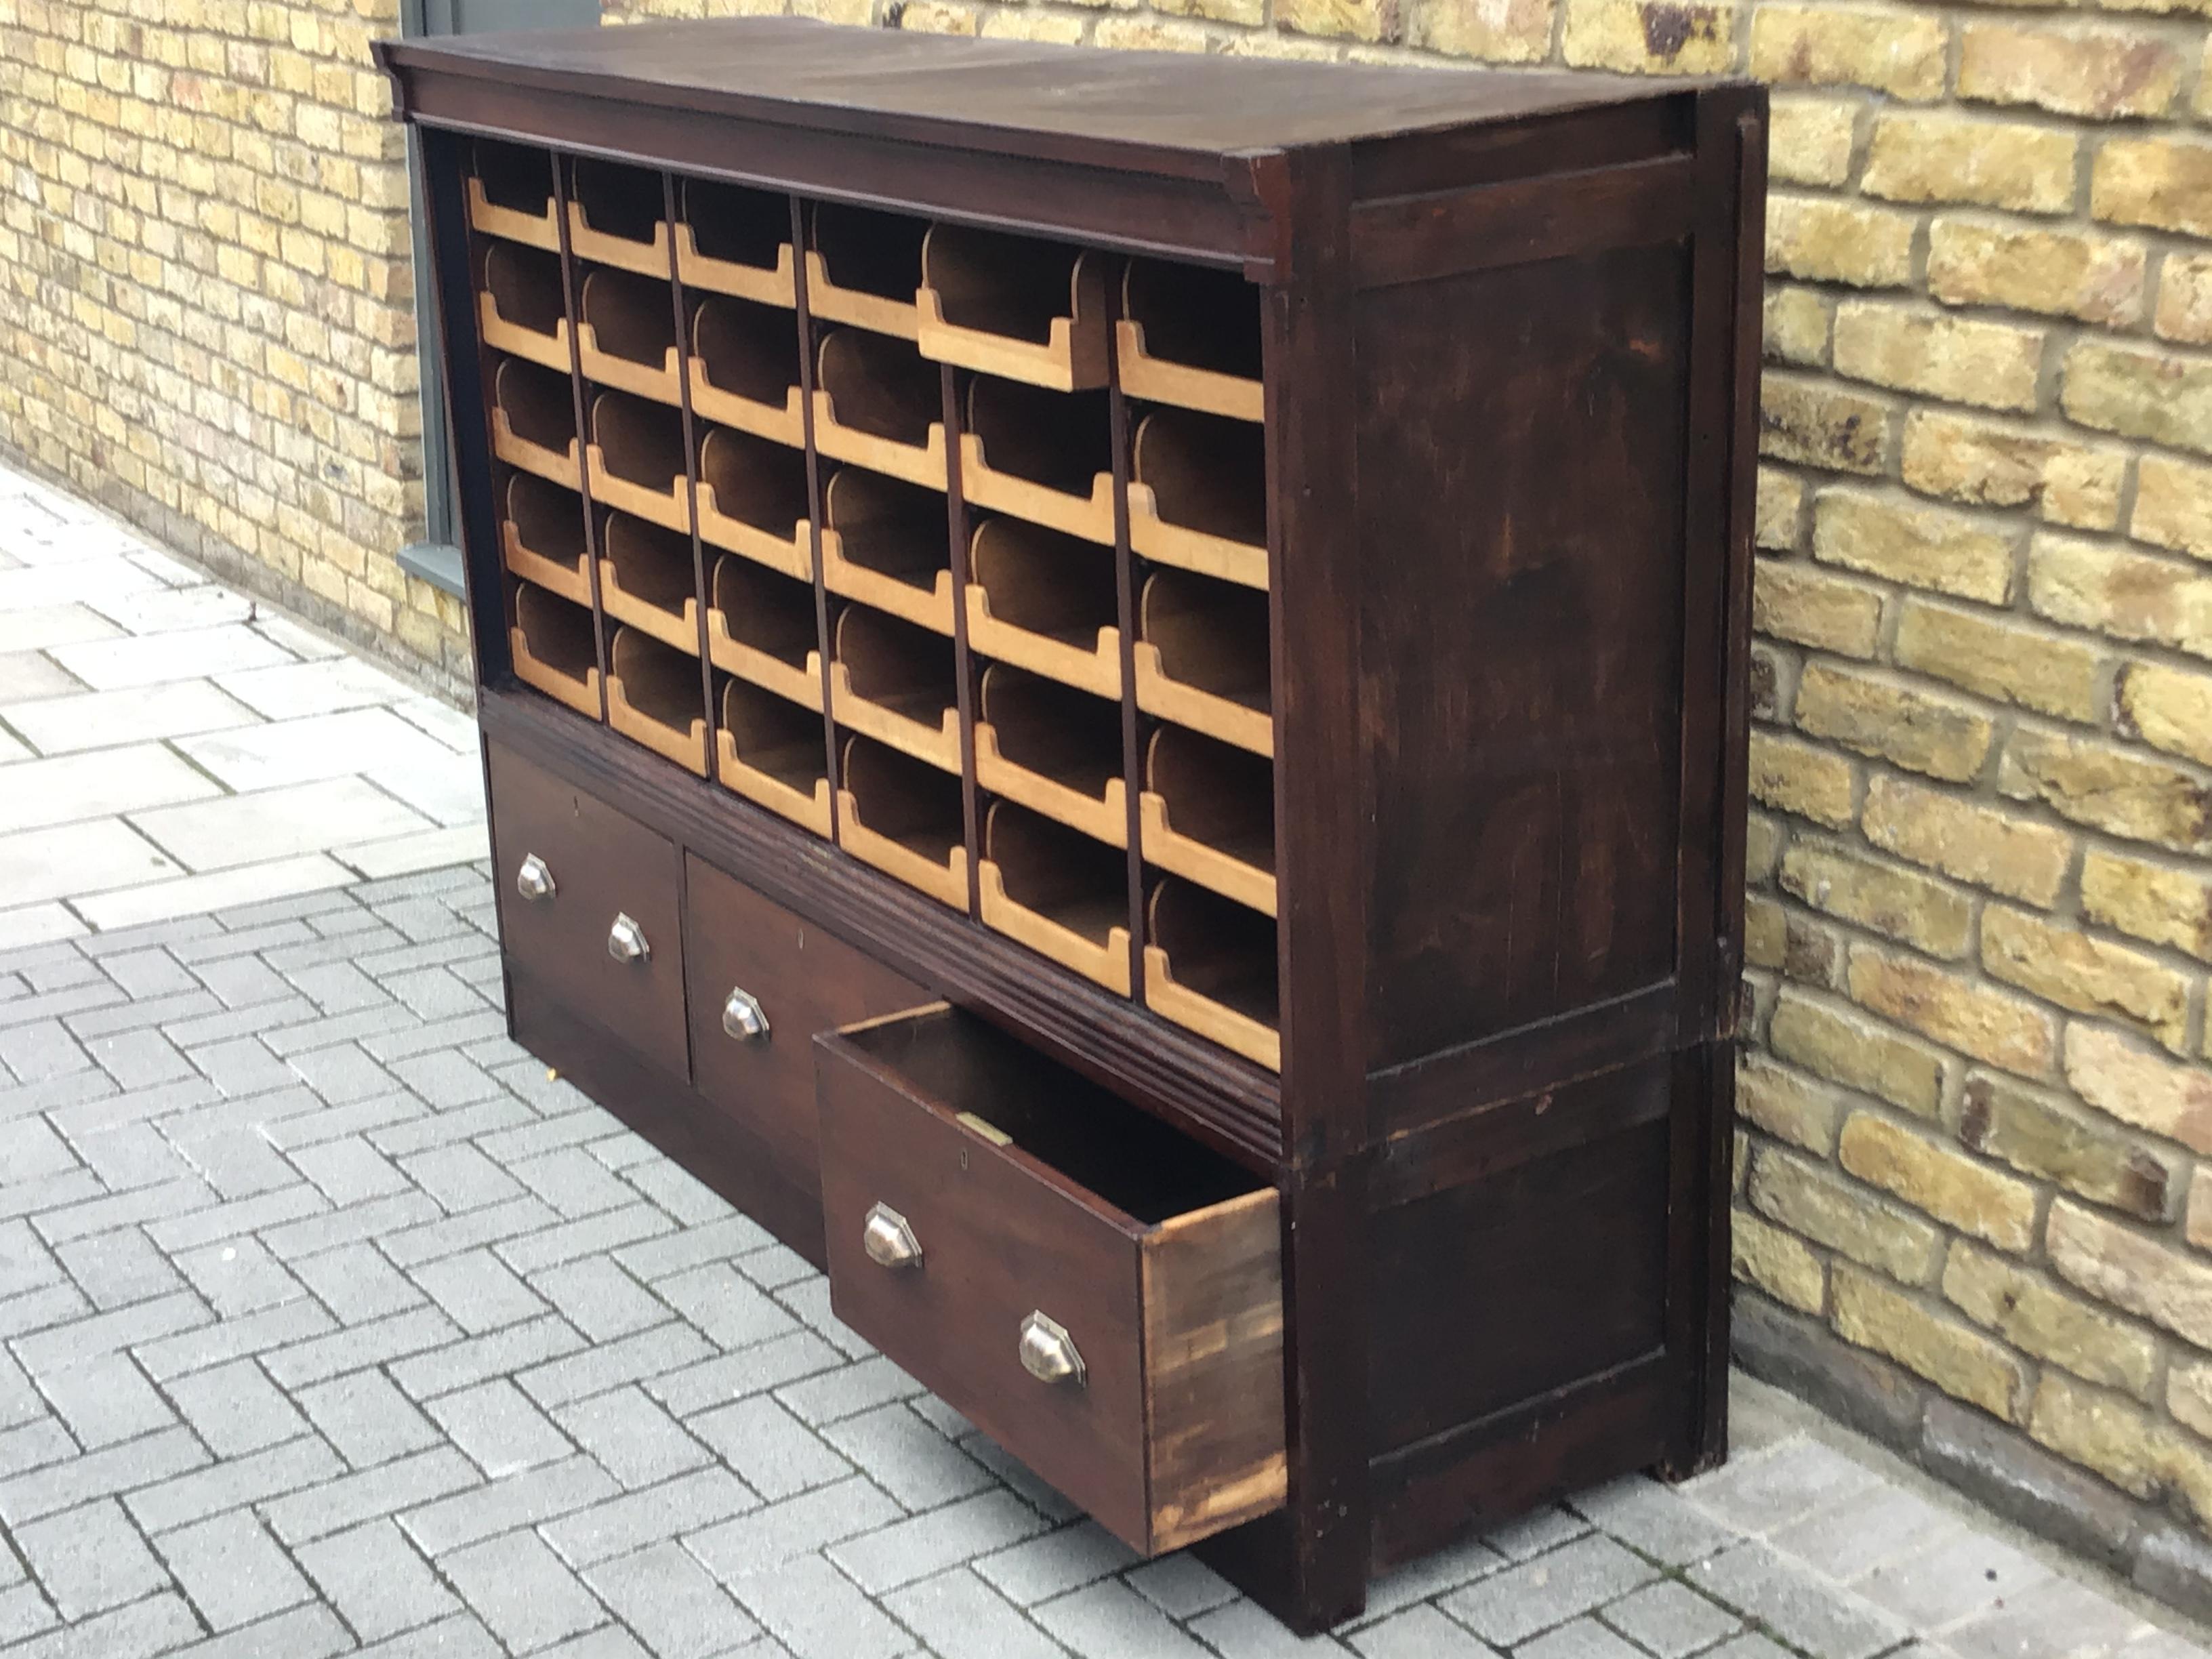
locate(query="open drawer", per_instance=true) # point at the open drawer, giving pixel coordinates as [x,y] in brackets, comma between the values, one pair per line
[1101,1295]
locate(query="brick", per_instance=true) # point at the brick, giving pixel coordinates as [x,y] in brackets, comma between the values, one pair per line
[1965,458]
[2077,971]
[1780,498]
[2153,902]
[2119,1441]
[2038,1136]
[1812,1200]
[1803,602]
[1843,1045]
[1792,776]
[233,1572]
[1787,1106]
[337,1505]
[2095,72]
[2184,299]
[2098,279]
[631,1438]
[1916,729]
[2139,392]
[2131,1271]
[928,1544]
[2118,1076]
[2162,182]
[520,1589]
[1901,903]
[806,1605]
[1901,56]
[89,1560]
[1809,140]
[2026,1484]
[771,1450]
[1923,546]
[1989,364]
[1519,31]
[1955,1356]
[233,1483]
[376,1581]
[1778,1262]
[2033,1315]
[1822,425]
[1938,155]
[1796,325]
[2109,789]
[1819,239]
[365,1419]
[1989,1024]
[2127,595]
[668,1599]
[532,1497]
[2173,505]
[1938,1180]
[235,1409]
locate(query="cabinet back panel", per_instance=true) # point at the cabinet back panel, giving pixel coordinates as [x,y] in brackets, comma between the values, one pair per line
[1521,495]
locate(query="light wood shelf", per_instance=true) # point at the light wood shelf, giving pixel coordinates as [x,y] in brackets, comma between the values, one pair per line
[1044,456]
[1053,748]
[1059,892]
[774,754]
[533,422]
[1207,813]
[735,241]
[1198,495]
[1044,601]
[1201,658]
[541,538]
[903,817]
[744,368]
[510,191]
[1210,968]
[896,684]
[760,628]
[1190,336]
[615,218]
[1013,306]
[865,268]
[646,581]
[753,500]
[553,648]
[879,403]
[635,459]
[520,309]
[626,335]
[653,697]
[884,543]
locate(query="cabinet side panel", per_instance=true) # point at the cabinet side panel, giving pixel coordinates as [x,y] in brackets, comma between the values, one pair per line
[1521,437]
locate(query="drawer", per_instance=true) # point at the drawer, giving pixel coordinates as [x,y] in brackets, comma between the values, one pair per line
[1099,1294]
[763,982]
[589,907]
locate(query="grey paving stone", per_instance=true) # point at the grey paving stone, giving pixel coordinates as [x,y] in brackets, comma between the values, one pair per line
[371,1115]
[349,1171]
[809,1299]
[1761,1493]
[631,1438]
[478,1290]
[572,1182]
[241,1066]
[599,1299]
[725,1240]
[1241,1631]
[341,1072]
[89,1559]
[461,1177]
[24,1612]
[809,1608]
[685,1504]
[358,1284]
[927,1544]
[1016,1476]
[367,1419]
[1511,1605]
[375,1579]
[1109,1621]
[1670,1619]
[232,1571]
[1949,1579]
[2056,1617]
[527,1498]
[462,1636]
[449,1235]
[762,1537]
[287,1323]
[136,1155]
[956,1612]
[157,1625]
[240,982]
[738,1376]
[234,1158]
[43,1049]
[1041,1568]
[98,1215]
[49,1308]
[359,1222]
[1578,1638]
[137,1060]
[106,1400]
[495,1423]
[668,1187]
[233,1482]
[35,1444]
[1446,1569]
[385,1490]
[1417,1632]
[305,1632]
[906,1457]
[147,972]
[376,1343]
[495,1354]
[588,1237]
[1810,1615]
[26,1498]
[774,1453]
[522,1591]
[226,1222]
[1180,1585]
[631,1360]
[671,1602]
[1652,1520]
[774,1266]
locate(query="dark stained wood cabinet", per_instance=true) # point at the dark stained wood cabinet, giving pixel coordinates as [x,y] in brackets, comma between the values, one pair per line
[1113,695]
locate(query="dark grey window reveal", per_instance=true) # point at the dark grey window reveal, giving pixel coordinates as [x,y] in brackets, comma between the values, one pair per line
[437,557]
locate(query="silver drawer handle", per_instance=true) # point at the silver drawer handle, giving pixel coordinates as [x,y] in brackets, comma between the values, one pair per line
[534,881]
[743,1017]
[626,941]
[888,1240]
[1048,1351]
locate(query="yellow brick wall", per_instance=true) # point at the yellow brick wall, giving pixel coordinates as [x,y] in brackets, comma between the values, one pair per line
[206,303]
[1977,1085]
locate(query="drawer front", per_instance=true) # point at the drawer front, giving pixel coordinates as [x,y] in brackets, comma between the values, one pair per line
[563,915]
[763,982]
[1174,1428]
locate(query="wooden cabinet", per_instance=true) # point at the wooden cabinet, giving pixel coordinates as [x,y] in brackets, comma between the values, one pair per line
[1188,617]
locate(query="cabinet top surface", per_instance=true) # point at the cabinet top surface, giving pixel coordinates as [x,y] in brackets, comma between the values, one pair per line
[805,73]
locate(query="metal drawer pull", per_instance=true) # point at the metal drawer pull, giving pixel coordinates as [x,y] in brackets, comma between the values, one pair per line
[534,881]
[626,941]
[888,1240]
[743,1017]
[1048,1351]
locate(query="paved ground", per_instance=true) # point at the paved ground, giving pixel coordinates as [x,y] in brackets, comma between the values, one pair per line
[329,1322]
[166,748]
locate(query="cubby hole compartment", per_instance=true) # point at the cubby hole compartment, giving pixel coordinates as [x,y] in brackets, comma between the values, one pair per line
[864,267]
[553,647]
[744,368]
[626,335]
[1045,456]
[533,421]
[511,194]
[1190,336]
[647,580]
[896,684]
[735,241]
[1014,306]
[880,403]
[752,501]
[615,218]
[654,698]
[636,459]
[905,818]
[1207,813]
[520,309]
[1201,658]
[887,544]
[1046,602]
[1058,891]
[1055,749]
[1210,967]
[541,538]
[774,754]
[1198,495]
[760,627]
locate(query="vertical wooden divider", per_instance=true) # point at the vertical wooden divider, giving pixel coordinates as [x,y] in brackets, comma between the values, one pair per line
[690,473]
[803,318]
[964,666]
[571,299]
[1125,583]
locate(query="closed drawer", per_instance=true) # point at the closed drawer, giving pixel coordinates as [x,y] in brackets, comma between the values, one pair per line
[589,908]
[763,982]
[1100,1295]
